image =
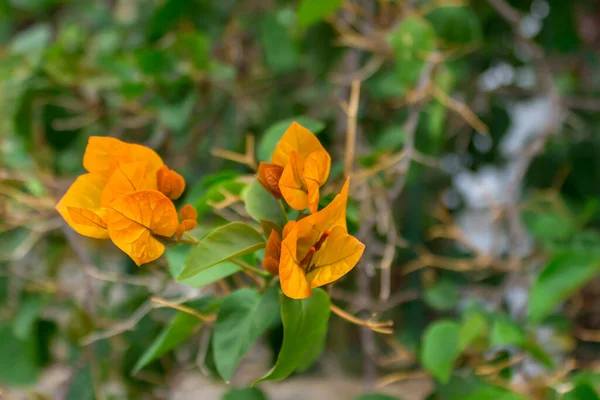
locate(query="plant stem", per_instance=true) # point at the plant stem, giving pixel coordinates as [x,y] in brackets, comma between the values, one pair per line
[249,268]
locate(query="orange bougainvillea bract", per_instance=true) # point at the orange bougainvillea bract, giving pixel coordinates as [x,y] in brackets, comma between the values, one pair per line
[299,167]
[314,251]
[124,197]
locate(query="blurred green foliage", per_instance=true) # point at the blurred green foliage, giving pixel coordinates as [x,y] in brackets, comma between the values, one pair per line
[506,289]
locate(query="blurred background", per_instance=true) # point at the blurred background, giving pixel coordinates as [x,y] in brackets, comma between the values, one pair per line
[470,131]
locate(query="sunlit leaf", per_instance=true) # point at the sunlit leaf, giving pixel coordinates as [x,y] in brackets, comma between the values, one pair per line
[224,243]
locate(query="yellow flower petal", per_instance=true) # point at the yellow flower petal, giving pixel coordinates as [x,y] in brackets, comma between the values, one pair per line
[135,218]
[104,154]
[315,174]
[89,216]
[292,277]
[296,138]
[312,227]
[84,193]
[338,255]
[291,183]
[128,178]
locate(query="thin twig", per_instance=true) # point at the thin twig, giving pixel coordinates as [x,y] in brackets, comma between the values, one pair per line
[379,327]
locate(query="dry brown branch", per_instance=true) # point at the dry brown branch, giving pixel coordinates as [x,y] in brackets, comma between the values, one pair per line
[379,327]
[187,310]
[248,158]
[399,377]
[351,111]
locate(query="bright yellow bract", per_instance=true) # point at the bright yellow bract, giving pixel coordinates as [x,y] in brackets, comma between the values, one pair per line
[125,197]
[315,251]
[300,166]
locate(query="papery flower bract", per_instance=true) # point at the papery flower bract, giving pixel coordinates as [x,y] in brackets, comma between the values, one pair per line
[135,219]
[104,154]
[272,253]
[84,193]
[305,168]
[317,250]
[116,171]
[269,176]
[189,215]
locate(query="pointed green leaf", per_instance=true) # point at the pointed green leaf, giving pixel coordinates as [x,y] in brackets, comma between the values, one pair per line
[564,274]
[224,243]
[242,319]
[179,329]
[176,257]
[304,326]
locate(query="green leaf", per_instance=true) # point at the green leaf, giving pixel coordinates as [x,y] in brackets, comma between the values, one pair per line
[444,295]
[261,205]
[245,394]
[472,328]
[304,326]
[18,361]
[412,42]
[506,333]
[280,48]
[275,132]
[25,320]
[375,396]
[196,47]
[313,11]
[175,116]
[224,243]
[564,274]
[242,319]
[441,348]
[176,257]
[582,392]
[456,25]
[179,329]
[474,388]
[82,385]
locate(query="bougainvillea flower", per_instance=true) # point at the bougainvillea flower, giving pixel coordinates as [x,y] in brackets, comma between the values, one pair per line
[268,176]
[272,253]
[117,171]
[189,217]
[317,250]
[136,220]
[104,154]
[84,193]
[303,168]
[170,182]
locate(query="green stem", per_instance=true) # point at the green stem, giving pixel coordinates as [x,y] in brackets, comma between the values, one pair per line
[249,268]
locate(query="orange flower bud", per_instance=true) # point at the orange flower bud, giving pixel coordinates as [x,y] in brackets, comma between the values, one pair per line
[170,183]
[272,253]
[268,176]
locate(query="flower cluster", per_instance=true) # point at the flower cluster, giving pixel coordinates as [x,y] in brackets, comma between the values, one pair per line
[317,249]
[126,196]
